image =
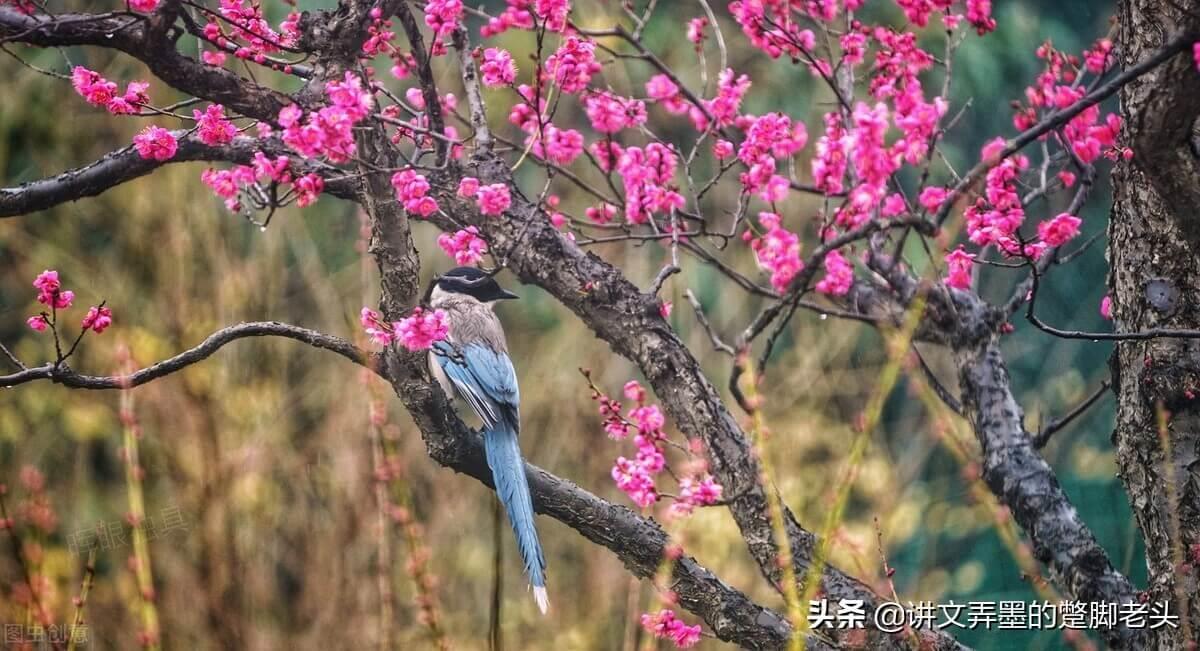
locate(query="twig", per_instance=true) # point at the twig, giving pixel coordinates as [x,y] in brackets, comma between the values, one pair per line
[1043,436]
[938,388]
[661,279]
[62,374]
[717,342]
[12,358]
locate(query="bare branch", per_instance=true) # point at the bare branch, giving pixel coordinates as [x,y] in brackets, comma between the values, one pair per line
[1043,436]
[940,389]
[62,374]
[717,342]
[1026,484]
[11,357]
[470,77]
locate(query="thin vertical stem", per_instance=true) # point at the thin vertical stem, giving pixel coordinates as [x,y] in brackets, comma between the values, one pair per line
[898,342]
[89,574]
[148,637]
[496,636]
[383,559]
[759,435]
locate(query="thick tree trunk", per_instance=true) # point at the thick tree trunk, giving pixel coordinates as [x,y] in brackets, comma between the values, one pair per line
[1154,251]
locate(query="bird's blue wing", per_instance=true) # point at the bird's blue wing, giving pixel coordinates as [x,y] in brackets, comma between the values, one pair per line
[484,378]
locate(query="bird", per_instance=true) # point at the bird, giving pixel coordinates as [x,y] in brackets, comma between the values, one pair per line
[472,362]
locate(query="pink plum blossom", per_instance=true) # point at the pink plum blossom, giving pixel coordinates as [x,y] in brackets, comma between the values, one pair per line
[573,64]
[377,331]
[498,68]
[421,330]
[156,143]
[958,263]
[213,128]
[468,186]
[777,251]
[665,625]
[839,275]
[412,192]
[493,199]
[98,318]
[1058,231]
[465,246]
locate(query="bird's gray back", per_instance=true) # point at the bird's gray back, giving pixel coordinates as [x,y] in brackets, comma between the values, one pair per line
[471,322]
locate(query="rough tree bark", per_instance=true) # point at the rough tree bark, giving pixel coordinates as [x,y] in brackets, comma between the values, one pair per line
[1154,232]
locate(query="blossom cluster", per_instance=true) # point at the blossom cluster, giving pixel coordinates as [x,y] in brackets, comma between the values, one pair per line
[777,250]
[636,476]
[211,126]
[497,68]
[492,199]
[464,246]
[648,174]
[418,331]
[328,132]
[515,16]
[99,91]
[573,64]
[231,184]
[769,137]
[156,143]
[958,264]
[443,16]
[250,36]
[996,217]
[839,275]
[52,295]
[696,491]
[412,191]
[665,625]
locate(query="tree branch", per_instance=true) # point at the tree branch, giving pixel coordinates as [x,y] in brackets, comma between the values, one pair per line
[131,34]
[126,164]
[1026,484]
[629,320]
[639,543]
[1012,468]
[62,374]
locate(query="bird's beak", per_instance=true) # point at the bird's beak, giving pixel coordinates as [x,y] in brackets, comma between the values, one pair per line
[504,293]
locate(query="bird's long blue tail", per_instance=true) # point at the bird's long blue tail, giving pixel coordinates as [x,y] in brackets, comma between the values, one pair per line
[508,471]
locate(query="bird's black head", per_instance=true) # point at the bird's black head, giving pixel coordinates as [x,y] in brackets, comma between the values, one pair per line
[474,283]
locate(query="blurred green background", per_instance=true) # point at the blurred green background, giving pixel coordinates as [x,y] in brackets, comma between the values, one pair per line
[265,449]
